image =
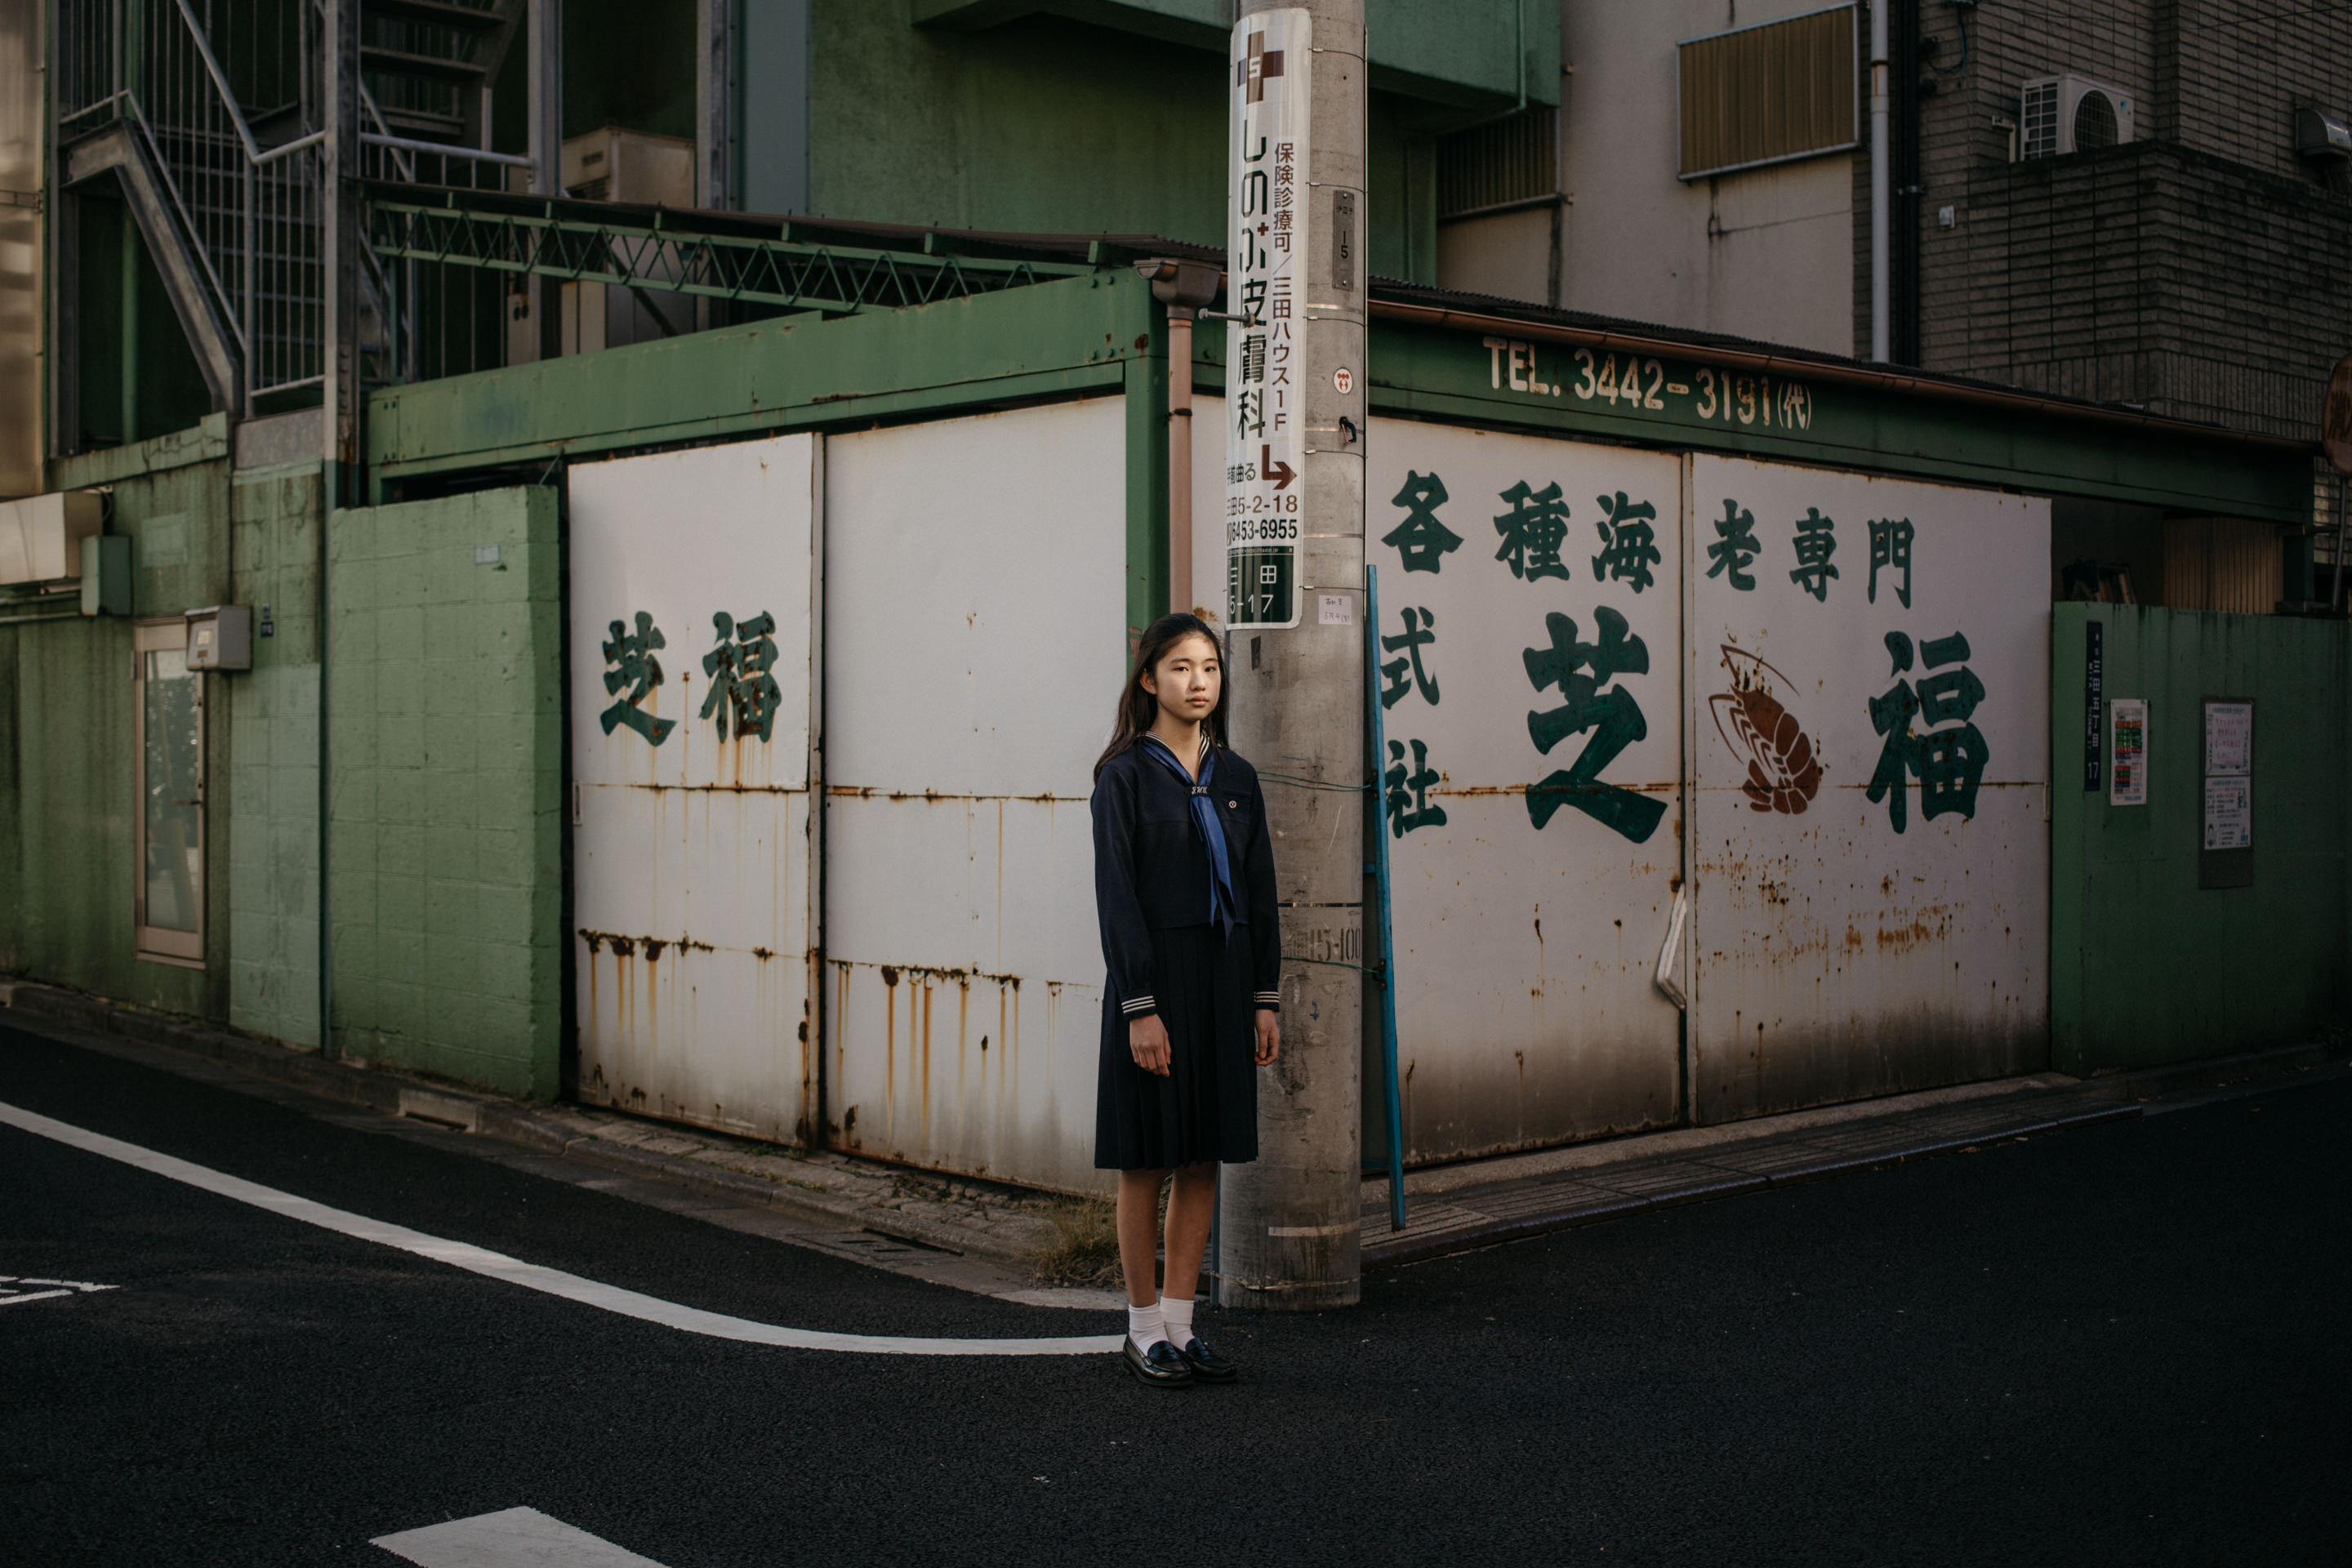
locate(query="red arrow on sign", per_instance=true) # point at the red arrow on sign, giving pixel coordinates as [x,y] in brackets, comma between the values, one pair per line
[1280,473]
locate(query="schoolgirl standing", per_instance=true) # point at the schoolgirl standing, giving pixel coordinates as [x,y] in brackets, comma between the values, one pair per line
[1184,889]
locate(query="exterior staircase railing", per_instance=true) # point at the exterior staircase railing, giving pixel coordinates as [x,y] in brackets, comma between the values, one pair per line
[223,154]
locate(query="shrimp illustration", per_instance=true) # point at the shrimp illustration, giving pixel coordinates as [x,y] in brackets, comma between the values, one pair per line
[1783,775]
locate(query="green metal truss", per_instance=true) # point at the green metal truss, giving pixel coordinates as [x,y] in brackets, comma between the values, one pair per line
[551,239]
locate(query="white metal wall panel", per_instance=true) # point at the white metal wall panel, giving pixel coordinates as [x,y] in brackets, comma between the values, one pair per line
[1526,1013]
[1845,946]
[975,605]
[691,853]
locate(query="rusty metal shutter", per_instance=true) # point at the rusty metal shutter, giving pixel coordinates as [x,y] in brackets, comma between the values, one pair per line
[2222,563]
[1767,93]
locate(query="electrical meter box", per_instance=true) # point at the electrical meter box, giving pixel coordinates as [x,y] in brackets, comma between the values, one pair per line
[220,637]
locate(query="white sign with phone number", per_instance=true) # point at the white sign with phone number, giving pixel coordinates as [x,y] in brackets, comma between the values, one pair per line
[1265,448]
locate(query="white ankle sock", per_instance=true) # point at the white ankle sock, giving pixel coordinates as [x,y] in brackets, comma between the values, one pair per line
[1144,1329]
[1177,1317]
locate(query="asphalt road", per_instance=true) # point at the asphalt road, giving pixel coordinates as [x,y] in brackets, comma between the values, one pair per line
[2124,1345]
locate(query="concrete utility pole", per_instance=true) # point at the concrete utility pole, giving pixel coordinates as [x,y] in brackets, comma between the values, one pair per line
[1295,564]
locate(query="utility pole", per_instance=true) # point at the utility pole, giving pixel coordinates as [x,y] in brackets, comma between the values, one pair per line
[1295,596]
[338,416]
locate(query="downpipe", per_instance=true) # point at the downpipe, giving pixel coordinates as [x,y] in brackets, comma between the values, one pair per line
[1882,314]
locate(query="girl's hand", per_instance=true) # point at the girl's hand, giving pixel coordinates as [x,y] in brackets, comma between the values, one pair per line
[1269,1038]
[1148,1038]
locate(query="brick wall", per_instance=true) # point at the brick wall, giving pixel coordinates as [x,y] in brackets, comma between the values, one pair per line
[2231,73]
[445,730]
[2149,274]
[2200,270]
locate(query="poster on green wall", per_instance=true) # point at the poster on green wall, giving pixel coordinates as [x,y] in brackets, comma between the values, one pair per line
[2128,748]
[2226,843]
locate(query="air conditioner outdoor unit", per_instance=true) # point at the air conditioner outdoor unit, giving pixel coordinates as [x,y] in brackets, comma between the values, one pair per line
[2073,114]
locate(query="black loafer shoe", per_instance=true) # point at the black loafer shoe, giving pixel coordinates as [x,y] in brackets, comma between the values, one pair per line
[1207,1364]
[1162,1366]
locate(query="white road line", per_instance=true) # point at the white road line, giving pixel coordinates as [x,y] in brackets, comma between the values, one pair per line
[531,1276]
[36,1296]
[511,1538]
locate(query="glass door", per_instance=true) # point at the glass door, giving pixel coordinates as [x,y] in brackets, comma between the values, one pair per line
[169,704]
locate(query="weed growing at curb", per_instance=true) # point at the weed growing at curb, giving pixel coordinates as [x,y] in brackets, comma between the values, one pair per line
[1088,1251]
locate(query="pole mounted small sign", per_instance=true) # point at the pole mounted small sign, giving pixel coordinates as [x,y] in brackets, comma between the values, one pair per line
[1266,404]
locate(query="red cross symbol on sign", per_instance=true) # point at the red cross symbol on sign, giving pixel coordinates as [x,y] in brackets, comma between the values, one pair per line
[1262,63]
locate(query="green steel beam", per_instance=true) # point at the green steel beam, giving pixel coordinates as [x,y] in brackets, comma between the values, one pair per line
[555,240]
[1067,338]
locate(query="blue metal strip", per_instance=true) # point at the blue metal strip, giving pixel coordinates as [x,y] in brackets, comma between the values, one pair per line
[1377,729]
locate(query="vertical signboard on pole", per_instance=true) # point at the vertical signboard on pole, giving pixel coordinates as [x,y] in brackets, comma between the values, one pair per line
[1266,401]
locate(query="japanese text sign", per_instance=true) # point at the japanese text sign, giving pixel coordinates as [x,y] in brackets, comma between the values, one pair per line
[1266,404]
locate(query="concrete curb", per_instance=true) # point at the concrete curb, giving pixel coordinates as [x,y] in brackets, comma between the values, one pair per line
[378,1089]
[1495,1232]
[1552,1201]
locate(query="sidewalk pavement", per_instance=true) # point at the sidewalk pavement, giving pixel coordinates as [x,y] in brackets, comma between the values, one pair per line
[869,1210]
[1453,1208]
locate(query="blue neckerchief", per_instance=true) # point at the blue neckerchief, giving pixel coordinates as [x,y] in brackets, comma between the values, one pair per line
[1221,902]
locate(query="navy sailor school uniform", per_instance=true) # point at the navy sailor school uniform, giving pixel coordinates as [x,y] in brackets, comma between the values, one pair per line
[1168,955]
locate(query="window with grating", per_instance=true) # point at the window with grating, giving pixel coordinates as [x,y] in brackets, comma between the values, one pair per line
[1769,93]
[1505,162]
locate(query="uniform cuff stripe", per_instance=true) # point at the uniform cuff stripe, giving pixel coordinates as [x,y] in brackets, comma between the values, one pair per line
[1134,1005]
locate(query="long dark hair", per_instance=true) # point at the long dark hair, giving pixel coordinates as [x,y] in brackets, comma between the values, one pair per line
[1138,708]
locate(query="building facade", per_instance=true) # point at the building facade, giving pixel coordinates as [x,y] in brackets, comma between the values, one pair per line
[532,710]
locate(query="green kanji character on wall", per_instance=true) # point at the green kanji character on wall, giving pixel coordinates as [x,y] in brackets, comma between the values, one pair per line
[1533,530]
[1816,543]
[1890,546]
[1891,716]
[1613,717]
[741,688]
[631,655]
[1949,762]
[1421,538]
[1735,546]
[1400,676]
[1629,541]
[1952,762]
[1408,790]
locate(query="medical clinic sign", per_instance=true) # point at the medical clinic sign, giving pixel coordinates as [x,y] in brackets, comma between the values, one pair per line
[1264,363]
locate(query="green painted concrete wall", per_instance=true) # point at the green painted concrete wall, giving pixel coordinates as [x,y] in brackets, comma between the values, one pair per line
[273,869]
[68,876]
[2145,967]
[125,324]
[1044,126]
[444,752]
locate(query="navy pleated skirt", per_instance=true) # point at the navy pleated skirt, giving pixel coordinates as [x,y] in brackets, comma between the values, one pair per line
[1206,1108]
